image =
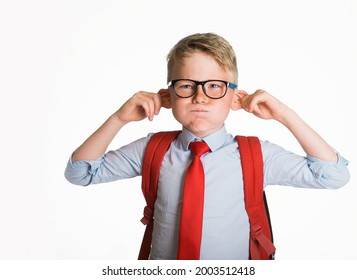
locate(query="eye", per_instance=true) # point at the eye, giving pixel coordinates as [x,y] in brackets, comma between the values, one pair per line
[215,85]
[185,85]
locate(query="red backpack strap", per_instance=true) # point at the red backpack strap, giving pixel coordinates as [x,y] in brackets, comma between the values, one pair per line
[261,240]
[154,154]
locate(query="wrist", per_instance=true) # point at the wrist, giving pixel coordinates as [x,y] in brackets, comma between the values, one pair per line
[289,118]
[117,119]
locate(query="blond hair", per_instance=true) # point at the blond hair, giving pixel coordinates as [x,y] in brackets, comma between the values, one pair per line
[209,43]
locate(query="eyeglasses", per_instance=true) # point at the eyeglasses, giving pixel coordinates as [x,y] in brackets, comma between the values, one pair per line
[214,89]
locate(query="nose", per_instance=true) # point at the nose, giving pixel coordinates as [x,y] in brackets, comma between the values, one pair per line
[200,96]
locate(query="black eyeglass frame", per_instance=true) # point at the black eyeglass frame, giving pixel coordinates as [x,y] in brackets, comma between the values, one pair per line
[202,83]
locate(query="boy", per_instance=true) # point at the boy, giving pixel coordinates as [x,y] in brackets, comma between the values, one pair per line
[202,79]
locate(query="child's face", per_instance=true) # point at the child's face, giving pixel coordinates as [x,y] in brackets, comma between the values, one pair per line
[199,113]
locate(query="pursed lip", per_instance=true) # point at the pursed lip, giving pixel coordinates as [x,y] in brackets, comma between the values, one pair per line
[198,110]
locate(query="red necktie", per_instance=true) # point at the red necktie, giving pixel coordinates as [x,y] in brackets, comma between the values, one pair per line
[192,206]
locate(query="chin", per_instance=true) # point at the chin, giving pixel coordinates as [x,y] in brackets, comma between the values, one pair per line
[202,131]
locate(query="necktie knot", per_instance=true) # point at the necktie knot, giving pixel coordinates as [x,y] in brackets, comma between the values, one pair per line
[199,148]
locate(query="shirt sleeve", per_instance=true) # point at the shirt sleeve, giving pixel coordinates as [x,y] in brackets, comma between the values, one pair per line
[282,167]
[122,163]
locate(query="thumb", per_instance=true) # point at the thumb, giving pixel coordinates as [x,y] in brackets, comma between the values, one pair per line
[241,93]
[239,98]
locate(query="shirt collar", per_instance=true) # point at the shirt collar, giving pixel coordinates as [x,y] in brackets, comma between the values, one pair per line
[214,141]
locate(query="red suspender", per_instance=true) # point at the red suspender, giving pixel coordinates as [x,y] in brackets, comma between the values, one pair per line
[154,154]
[260,244]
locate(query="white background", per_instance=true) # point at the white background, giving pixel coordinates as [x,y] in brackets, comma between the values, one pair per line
[65,66]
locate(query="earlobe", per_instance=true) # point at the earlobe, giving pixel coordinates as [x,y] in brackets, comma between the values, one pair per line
[165,98]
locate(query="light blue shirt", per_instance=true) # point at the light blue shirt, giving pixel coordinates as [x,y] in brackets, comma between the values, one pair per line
[225,233]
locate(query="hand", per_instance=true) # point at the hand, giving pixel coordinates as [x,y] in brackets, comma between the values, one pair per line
[144,105]
[139,106]
[263,105]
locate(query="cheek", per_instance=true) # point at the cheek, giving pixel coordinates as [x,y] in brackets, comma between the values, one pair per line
[177,108]
[175,112]
[223,110]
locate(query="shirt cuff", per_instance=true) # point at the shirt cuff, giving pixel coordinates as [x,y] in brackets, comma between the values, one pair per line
[81,172]
[92,165]
[332,174]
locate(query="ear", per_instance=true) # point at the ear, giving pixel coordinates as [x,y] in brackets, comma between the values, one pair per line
[165,98]
[237,98]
